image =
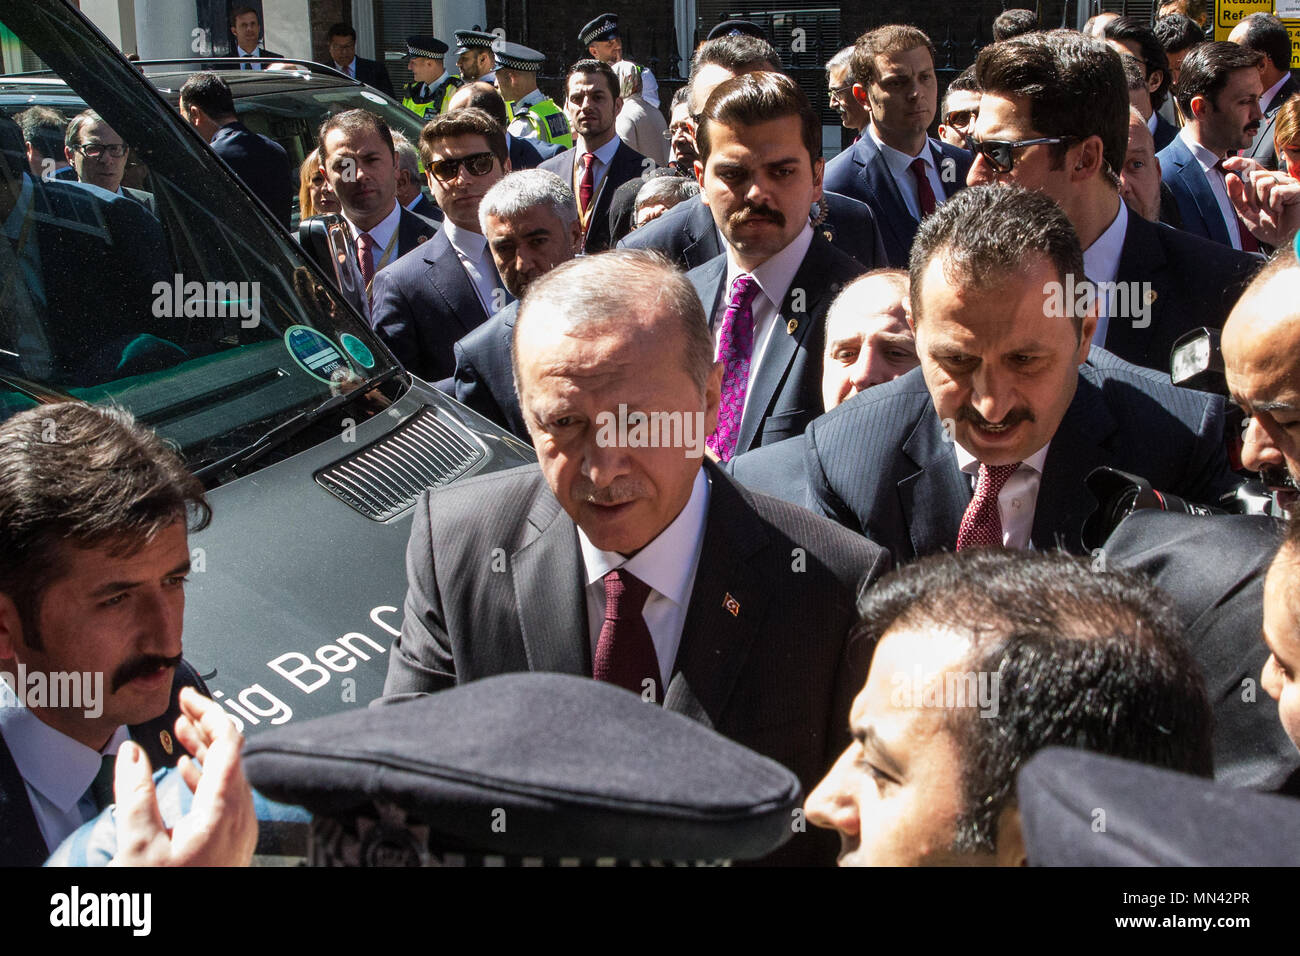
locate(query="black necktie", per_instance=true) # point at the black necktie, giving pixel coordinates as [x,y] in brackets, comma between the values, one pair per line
[101,788]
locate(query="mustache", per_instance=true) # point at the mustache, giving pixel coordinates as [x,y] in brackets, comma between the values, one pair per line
[140,667]
[1252,127]
[1014,417]
[617,494]
[750,213]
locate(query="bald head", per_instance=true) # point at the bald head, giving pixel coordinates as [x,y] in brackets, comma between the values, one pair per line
[1139,179]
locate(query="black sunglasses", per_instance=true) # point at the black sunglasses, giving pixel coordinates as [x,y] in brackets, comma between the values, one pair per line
[478,164]
[959,118]
[1001,154]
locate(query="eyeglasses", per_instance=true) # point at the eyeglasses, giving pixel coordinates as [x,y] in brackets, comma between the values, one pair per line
[840,92]
[677,129]
[97,150]
[959,119]
[1001,154]
[478,164]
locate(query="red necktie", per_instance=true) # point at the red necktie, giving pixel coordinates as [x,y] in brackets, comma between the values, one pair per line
[981,525]
[924,191]
[735,352]
[1248,242]
[588,185]
[366,257]
[625,653]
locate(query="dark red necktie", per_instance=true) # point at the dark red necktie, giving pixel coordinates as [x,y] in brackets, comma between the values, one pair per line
[1248,242]
[924,191]
[625,653]
[981,525]
[366,257]
[588,185]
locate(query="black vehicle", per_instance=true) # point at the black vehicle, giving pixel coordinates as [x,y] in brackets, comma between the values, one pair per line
[211,326]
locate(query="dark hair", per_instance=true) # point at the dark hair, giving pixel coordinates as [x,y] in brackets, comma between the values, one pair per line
[885,41]
[484,96]
[1013,23]
[355,121]
[1267,34]
[737,54]
[12,153]
[72,135]
[85,476]
[681,96]
[340,30]
[1133,72]
[240,9]
[1089,660]
[964,82]
[595,66]
[1206,70]
[1177,33]
[754,98]
[44,128]
[467,121]
[984,235]
[1132,30]
[209,93]
[1075,86]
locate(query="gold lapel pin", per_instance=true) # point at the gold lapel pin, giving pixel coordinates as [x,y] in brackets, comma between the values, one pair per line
[165,739]
[731,604]
[791,326]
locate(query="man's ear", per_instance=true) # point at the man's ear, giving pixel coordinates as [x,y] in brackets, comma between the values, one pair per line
[1200,106]
[1010,839]
[699,178]
[860,94]
[1154,80]
[575,235]
[819,166]
[11,628]
[1090,159]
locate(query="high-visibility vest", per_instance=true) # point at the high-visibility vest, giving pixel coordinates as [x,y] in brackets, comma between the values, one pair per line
[450,84]
[547,120]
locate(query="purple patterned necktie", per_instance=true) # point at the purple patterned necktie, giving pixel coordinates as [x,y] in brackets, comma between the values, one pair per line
[625,652]
[735,350]
[981,525]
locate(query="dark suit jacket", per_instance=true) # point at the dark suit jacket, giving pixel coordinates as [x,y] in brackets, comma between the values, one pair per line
[1263,148]
[21,843]
[412,230]
[260,163]
[1213,568]
[626,164]
[528,153]
[777,675]
[787,385]
[372,74]
[1195,282]
[485,377]
[881,465]
[422,304]
[687,234]
[427,208]
[778,470]
[861,173]
[1164,133]
[1196,202]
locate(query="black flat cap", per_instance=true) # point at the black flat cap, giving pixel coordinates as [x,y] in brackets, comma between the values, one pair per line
[524,768]
[1083,809]
[604,27]
[731,28]
[426,46]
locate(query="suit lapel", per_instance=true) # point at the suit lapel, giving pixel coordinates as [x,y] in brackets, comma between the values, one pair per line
[880,183]
[21,843]
[704,243]
[448,277]
[1194,178]
[411,232]
[727,607]
[548,579]
[935,497]
[1077,448]
[1141,259]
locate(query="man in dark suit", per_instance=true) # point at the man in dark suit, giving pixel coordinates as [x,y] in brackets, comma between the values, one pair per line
[342,40]
[895,168]
[1218,92]
[1000,406]
[246,27]
[767,295]
[530,221]
[441,291]
[1063,97]
[1267,35]
[599,162]
[98,157]
[260,163]
[91,605]
[409,181]
[1129,35]
[524,153]
[693,578]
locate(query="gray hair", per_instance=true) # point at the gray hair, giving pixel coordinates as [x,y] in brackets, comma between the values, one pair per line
[666,191]
[407,156]
[594,292]
[519,192]
[843,58]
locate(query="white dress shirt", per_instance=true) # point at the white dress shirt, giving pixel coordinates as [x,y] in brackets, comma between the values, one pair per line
[471,248]
[1215,178]
[382,234]
[604,156]
[256,52]
[57,771]
[1101,264]
[667,564]
[1018,498]
[350,69]
[774,278]
[900,167]
[1152,120]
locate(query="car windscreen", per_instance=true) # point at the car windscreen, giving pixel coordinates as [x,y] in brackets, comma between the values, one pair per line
[184,303]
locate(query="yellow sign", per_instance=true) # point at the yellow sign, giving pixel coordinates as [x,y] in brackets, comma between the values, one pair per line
[1293,28]
[1228,13]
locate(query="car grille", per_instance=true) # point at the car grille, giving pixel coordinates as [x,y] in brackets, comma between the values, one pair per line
[386,477]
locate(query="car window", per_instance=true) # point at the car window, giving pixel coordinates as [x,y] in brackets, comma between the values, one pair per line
[176,297]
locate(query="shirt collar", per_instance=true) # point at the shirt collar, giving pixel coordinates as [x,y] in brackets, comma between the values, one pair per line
[604,155]
[971,465]
[897,160]
[1101,259]
[668,562]
[468,244]
[1266,97]
[256,51]
[383,231]
[1207,159]
[13,226]
[531,98]
[61,768]
[775,275]
[1152,120]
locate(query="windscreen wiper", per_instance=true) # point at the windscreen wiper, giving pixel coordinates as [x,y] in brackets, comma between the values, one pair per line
[290,427]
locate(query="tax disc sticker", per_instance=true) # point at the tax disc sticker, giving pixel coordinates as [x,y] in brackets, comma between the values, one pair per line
[357,349]
[372,97]
[314,352]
